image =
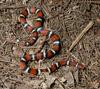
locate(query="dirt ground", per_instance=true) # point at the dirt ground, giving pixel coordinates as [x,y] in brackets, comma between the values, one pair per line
[67,18]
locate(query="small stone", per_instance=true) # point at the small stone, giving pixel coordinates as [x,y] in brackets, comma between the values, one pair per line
[17,40]
[14,48]
[44,86]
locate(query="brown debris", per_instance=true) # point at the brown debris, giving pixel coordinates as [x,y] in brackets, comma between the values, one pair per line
[67,18]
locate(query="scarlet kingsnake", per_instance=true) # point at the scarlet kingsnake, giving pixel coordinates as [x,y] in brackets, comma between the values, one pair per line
[55,47]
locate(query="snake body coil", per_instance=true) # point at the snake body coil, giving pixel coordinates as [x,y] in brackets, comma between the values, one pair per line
[54,48]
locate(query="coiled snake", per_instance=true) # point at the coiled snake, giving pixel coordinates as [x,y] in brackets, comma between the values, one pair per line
[54,48]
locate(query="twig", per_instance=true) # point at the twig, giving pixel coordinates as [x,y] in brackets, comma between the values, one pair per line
[81,35]
[12,7]
[3,59]
[89,1]
[4,43]
[61,83]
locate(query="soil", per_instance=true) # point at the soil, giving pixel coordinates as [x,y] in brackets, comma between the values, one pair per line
[67,18]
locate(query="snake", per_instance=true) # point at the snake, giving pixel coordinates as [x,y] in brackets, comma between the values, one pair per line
[54,48]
